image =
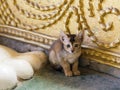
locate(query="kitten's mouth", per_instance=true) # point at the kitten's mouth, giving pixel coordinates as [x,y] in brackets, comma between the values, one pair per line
[71,52]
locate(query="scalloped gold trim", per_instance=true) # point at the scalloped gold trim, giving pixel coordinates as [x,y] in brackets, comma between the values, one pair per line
[101,56]
[27,36]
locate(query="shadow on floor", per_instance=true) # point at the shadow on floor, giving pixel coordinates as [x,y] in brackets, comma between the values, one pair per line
[49,79]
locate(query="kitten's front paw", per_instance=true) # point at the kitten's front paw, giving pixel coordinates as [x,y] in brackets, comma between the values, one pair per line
[77,73]
[69,74]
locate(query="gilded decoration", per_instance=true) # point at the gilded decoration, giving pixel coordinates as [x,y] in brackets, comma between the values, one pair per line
[40,21]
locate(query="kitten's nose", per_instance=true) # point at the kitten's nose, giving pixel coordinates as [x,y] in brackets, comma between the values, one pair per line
[72,51]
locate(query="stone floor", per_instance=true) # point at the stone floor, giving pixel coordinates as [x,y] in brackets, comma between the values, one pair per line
[49,79]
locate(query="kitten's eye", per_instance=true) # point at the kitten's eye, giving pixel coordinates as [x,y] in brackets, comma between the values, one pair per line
[76,45]
[68,45]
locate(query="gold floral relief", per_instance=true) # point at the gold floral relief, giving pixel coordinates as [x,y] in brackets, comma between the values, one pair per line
[40,21]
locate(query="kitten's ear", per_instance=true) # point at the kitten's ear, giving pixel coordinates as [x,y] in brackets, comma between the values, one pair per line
[80,35]
[63,36]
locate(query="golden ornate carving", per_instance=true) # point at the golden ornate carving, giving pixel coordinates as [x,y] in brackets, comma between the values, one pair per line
[54,16]
[104,26]
[73,10]
[109,25]
[90,8]
[102,57]
[99,5]
[45,8]
[15,33]
[40,21]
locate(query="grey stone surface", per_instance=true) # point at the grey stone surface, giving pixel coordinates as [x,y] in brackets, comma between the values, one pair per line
[18,45]
[100,67]
[49,79]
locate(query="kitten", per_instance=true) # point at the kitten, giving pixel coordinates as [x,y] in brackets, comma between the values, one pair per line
[65,53]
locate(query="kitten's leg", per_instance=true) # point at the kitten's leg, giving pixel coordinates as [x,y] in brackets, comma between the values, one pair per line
[75,68]
[66,67]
